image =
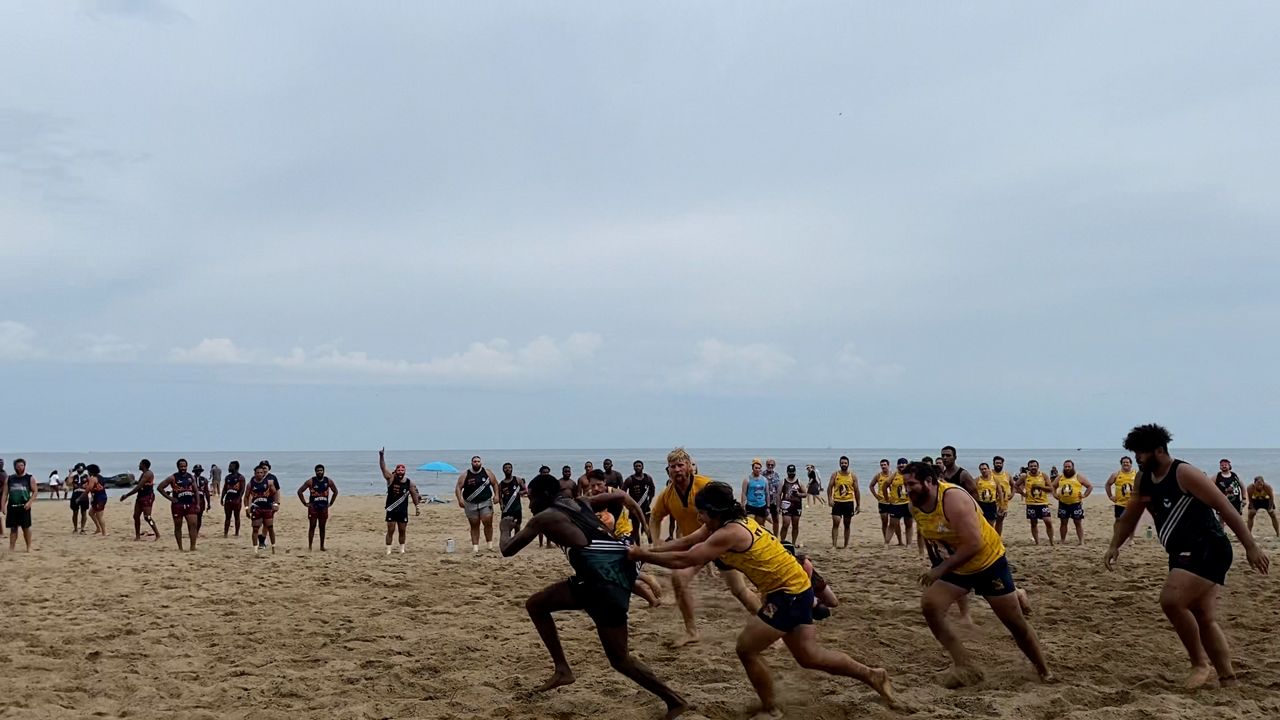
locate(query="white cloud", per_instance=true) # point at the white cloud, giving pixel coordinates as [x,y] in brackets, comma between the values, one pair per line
[17,341]
[850,366]
[108,348]
[210,351]
[720,363]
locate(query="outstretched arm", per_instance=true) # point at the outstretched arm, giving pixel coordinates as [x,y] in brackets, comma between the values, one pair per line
[509,544]
[720,542]
[382,464]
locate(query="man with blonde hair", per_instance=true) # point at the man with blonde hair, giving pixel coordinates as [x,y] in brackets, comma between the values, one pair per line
[677,501]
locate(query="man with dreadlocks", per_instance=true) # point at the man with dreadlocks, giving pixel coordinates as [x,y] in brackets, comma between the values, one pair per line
[601,585]
[743,544]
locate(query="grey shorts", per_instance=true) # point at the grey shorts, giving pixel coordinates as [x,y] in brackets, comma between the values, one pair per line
[476,510]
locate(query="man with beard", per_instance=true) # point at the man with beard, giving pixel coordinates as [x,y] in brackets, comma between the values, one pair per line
[1071,489]
[180,490]
[1035,490]
[476,488]
[966,555]
[19,493]
[145,501]
[1006,488]
[955,474]
[1186,507]
[988,493]
[612,478]
[399,491]
[204,496]
[844,498]
[566,475]
[601,585]
[791,504]
[900,519]
[879,487]
[510,490]
[264,500]
[79,498]
[641,489]
[1229,484]
[323,493]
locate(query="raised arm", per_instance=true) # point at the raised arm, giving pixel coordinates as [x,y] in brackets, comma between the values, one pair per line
[382,464]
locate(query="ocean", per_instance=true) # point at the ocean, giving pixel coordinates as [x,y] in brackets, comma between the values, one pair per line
[356,472]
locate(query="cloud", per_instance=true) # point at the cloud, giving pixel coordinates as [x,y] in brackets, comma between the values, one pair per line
[495,360]
[108,348]
[17,341]
[723,364]
[849,366]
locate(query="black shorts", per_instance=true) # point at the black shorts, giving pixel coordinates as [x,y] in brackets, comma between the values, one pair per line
[1039,512]
[80,501]
[606,604]
[773,509]
[1262,504]
[758,511]
[399,514]
[995,581]
[1210,559]
[785,612]
[842,509]
[18,516]
[1119,511]
[1235,503]
[902,511]
[884,508]
[989,511]
[793,508]
[1075,511]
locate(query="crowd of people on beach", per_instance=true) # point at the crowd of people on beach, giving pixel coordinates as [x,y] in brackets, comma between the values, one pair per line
[609,526]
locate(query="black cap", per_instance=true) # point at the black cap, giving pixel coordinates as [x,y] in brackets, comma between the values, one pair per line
[791,468]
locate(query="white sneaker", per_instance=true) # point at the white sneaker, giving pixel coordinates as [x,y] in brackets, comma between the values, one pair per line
[401,549]
[388,549]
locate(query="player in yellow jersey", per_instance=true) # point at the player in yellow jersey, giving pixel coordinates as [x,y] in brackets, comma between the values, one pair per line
[845,499]
[1035,489]
[1006,486]
[1119,489]
[1071,488]
[988,493]
[899,511]
[1261,497]
[966,554]
[677,501]
[880,491]
[729,536]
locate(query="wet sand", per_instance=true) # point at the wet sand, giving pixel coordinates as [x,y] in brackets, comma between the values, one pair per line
[112,628]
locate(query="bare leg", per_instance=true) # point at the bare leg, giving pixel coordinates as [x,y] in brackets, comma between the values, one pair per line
[1009,608]
[192,532]
[487,521]
[137,522]
[795,530]
[614,641]
[402,529]
[835,529]
[934,603]
[323,522]
[804,647]
[754,639]
[1249,520]
[847,522]
[1182,590]
[1211,636]
[1062,530]
[177,530]
[26,538]
[474,522]
[884,527]
[226,522]
[737,583]
[681,583]
[540,605]
[1079,530]
[391,529]
[909,523]
[1275,524]
[1000,525]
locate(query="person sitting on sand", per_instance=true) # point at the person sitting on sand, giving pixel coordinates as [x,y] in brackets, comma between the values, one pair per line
[601,585]
[145,491]
[323,493]
[182,502]
[730,536]
[232,497]
[1186,507]
[400,489]
[966,555]
[618,519]
[1261,497]
[264,500]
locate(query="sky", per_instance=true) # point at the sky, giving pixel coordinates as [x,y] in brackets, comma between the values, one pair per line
[302,225]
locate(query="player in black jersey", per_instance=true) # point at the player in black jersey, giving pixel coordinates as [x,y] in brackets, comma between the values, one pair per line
[1186,506]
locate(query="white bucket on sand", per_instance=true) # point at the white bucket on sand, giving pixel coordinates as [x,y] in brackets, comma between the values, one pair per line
[449,545]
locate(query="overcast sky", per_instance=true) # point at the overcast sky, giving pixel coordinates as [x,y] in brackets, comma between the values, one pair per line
[298,225]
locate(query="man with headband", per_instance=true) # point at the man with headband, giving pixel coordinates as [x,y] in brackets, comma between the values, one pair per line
[400,489]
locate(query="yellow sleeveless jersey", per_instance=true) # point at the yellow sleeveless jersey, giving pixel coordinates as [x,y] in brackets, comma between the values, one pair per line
[1070,491]
[1002,480]
[842,489]
[622,525]
[898,490]
[1036,490]
[986,489]
[882,484]
[941,540]
[671,503]
[1122,490]
[1258,493]
[766,563]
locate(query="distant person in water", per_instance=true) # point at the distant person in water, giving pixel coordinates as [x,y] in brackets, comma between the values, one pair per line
[322,493]
[180,490]
[145,492]
[400,490]
[601,585]
[232,497]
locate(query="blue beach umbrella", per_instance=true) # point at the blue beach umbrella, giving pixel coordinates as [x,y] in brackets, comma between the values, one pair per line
[438,467]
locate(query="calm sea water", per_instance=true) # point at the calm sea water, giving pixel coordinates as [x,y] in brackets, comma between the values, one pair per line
[357,472]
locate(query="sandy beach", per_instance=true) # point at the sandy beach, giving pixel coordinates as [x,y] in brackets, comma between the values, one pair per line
[112,628]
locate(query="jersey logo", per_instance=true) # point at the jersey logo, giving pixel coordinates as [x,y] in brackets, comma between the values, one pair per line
[768,610]
[997,585]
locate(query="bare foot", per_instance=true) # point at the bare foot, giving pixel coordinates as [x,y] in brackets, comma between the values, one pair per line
[1048,678]
[687,639]
[1200,675]
[879,682]
[960,676]
[560,677]
[763,714]
[676,710]
[1024,601]
[1229,681]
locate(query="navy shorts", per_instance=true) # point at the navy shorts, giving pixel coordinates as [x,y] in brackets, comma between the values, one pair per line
[989,511]
[842,509]
[902,512]
[785,612]
[1075,511]
[885,508]
[1260,504]
[1210,559]
[1119,511]
[758,511]
[994,581]
[1039,512]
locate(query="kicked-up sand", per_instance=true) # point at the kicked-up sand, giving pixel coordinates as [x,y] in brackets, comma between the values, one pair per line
[112,628]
